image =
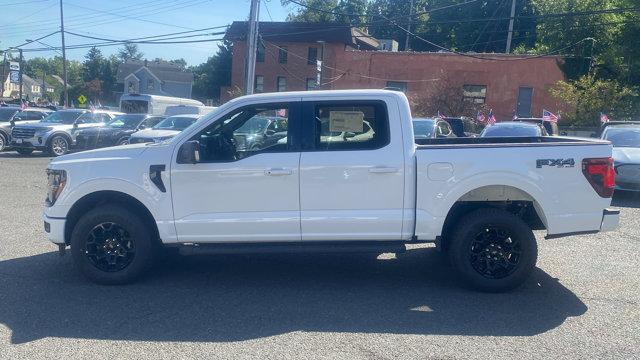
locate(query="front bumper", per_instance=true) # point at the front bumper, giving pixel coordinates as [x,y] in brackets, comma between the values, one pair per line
[54,228]
[36,142]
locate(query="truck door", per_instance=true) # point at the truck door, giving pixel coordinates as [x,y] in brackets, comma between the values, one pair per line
[241,190]
[351,171]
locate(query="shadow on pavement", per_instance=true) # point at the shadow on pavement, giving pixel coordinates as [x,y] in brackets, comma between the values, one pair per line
[12,154]
[629,199]
[235,298]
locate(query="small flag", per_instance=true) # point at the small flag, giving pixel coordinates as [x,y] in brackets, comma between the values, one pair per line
[23,104]
[549,116]
[98,105]
[604,118]
[481,118]
[440,116]
[491,119]
[281,112]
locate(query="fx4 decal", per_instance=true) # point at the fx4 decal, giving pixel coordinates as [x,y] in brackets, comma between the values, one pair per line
[559,163]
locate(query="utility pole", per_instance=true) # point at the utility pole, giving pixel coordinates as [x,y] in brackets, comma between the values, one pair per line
[64,59]
[252,47]
[511,18]
[43,90]
[20,73]
[406,40]
[4,64]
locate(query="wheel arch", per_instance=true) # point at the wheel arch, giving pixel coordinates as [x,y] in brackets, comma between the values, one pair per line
[506,197]
[58,133]
[98,198]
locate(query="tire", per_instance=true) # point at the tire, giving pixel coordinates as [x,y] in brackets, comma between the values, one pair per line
[492,250]
[111,245]
[123,141]
[24,151]
[3,142]
[58,145]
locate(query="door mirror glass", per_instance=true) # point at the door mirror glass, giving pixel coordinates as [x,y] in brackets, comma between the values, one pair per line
[189,152]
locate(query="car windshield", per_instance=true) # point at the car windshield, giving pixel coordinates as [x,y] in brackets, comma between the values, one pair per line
[175,123]
[511,131]
[255,125]
[7,113]
[623,137]
[423,128]
[62,117]
[126,121]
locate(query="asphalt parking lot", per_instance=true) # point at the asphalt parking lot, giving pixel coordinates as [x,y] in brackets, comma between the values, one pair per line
[582,301]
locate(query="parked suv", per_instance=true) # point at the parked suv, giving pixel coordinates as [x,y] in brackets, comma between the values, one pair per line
[117,132]
[11,115]
[56,133]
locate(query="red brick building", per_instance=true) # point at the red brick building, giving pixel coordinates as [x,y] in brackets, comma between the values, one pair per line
[351,59]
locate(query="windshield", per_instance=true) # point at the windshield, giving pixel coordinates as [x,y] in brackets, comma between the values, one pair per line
[126,121]
[175,123]
[511,131]
[62,117]
[624,137]
[423,128]
[255,125]
[7,113]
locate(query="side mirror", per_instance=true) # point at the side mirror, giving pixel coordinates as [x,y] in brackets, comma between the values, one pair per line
[142,127]
[12,122]
[270,132]
[189,152]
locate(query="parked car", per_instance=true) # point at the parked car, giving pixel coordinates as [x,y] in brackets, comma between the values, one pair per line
[550,127]
[260,132]
[626,154]
[11,115]
[55,134]
[463,126]
[116,132]
[429,128]
[477,199]
[513,129]
[165,129]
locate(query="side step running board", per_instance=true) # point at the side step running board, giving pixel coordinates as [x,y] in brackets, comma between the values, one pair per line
[293,248]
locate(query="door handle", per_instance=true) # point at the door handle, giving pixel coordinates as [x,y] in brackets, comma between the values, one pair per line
[383,170]
[278,172]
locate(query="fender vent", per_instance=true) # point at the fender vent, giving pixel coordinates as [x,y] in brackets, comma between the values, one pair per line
[155,175]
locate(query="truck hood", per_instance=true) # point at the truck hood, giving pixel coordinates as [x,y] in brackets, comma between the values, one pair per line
[152,134]
[123,152]
[624,155]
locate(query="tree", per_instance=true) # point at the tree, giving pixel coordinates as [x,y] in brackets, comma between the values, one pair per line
[182,63]
[313,11]
[210,76]
[588,96]
[129,52]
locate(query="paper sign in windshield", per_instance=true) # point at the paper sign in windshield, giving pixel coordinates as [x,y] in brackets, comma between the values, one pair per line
[347,121]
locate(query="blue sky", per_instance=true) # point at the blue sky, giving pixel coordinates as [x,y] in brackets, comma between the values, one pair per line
[125,19]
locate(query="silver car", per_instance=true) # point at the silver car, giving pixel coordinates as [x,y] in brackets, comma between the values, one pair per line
[626,154]
[10,116]
[56,133]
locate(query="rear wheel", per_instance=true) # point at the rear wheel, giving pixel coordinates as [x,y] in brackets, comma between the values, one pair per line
[493,250]
[24,151]
[112,245]
[58,146]
[123,141]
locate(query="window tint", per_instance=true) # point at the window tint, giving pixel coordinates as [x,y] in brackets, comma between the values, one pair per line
[350,126]
[245,132]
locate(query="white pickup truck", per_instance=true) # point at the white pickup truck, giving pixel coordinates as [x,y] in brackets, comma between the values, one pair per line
[373,189]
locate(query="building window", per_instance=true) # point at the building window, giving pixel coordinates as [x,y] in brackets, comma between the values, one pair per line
[282,83]
[311,83]
[476,94]
[50,90]
[259,84]
[131,87]
[35,88]
[150,84]
[282,55]
[260,53]
[397,85]
[312,56]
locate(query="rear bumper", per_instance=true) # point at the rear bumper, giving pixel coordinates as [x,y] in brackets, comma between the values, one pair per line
[54,229]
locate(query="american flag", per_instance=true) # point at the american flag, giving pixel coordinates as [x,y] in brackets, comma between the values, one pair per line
[549,116]
[440,116]
[281,112]
[604,118]
[23,104]
[491,119]
[481,118]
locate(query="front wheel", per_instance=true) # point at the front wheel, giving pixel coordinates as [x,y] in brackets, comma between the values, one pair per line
[3,142]
[111,245]
[123,141]
[58,146]
[493,250]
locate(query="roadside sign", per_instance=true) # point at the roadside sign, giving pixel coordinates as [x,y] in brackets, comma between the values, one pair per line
[14,66]
[82,99]
[14,77]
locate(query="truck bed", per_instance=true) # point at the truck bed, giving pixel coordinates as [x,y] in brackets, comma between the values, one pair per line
[508,141]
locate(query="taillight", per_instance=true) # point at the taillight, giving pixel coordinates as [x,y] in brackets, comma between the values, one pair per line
[600,174]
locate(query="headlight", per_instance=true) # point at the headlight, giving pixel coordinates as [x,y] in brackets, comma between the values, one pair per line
[56,182]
